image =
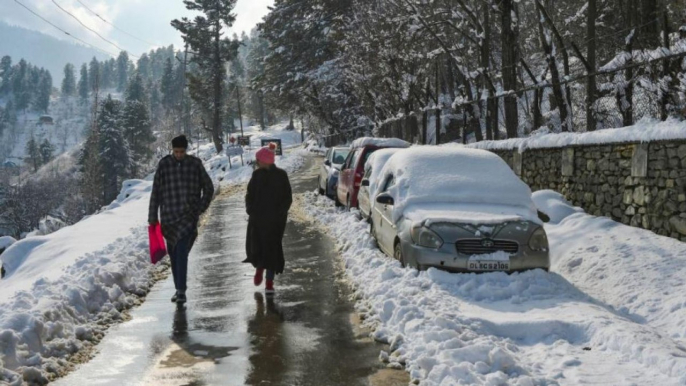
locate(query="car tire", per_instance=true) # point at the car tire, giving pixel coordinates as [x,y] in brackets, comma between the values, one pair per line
[372,232]
[319,185]
[347,204]
[398,253]
[336,201]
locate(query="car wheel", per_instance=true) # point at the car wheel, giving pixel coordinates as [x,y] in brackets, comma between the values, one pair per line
[347,205]
[336,201]
[398,254]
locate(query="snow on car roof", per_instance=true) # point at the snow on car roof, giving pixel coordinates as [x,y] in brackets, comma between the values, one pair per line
[456,175]
[380,142]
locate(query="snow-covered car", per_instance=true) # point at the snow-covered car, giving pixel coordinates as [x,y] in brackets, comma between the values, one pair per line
[370,180]
[330,168]
[352,170]
[457,209]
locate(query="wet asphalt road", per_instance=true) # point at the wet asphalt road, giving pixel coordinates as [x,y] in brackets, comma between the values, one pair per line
[229,333]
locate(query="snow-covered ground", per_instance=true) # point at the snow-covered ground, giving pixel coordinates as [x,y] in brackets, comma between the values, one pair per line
[63,290]
[610,312]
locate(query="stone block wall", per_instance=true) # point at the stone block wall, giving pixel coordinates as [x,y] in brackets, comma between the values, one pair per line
[642,185]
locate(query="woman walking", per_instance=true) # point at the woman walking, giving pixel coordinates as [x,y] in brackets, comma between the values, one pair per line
[267,202]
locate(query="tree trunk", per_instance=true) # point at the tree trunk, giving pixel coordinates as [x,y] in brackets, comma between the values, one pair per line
[591,87]
[509,70]
[216,121]
[554,74]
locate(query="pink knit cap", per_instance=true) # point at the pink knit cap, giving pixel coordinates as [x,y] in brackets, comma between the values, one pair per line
[265,156]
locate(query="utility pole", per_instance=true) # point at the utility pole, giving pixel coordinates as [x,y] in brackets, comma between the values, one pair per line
[240,114]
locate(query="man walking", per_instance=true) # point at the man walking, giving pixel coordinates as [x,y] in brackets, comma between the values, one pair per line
[181,192]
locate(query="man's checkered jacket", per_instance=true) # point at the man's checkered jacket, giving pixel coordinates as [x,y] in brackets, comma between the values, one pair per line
[182,191]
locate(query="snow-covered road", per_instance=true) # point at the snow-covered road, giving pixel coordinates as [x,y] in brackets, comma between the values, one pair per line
[604,315]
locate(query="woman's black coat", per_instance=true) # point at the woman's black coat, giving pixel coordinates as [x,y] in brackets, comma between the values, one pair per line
[268,200]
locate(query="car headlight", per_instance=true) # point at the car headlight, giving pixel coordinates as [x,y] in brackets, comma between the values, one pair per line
[538,240]
[425,237]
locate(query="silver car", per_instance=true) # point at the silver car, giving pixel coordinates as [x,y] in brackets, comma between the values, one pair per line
[459,210]
[328,172]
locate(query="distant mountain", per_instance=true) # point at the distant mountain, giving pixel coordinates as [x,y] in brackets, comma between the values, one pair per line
[43,50]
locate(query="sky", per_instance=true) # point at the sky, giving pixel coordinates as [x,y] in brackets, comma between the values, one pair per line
[147,20]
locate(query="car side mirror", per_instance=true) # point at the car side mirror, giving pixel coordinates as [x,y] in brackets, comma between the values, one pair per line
[327,163]
[385,199]
[364,183]
[543,217]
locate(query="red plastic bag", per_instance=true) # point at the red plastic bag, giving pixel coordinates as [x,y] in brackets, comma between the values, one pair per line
[158,249]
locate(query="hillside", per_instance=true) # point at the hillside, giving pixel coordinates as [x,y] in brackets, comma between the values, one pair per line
[44,50]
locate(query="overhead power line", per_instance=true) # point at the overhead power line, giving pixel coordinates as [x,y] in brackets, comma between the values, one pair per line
[63,31]
[114,26]
[90,29]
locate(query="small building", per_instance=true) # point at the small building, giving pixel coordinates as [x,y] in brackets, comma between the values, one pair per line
[46,120]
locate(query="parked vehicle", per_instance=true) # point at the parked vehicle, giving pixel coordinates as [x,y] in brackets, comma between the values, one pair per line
[369,185]
[457,209]
[352,170]
[328,172]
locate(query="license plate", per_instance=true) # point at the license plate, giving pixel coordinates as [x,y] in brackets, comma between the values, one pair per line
[488,265]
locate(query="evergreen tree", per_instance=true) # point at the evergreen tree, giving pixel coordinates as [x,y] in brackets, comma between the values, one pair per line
[84,91]
[91,183]
[46,151]
[167,86]
[5,74]
[137,125]
[144,67]
[42,101]
[107,78]
[20,85]
[94,75]
[32,152]
[69,81]
[122,71]
[204,36]
[114,151]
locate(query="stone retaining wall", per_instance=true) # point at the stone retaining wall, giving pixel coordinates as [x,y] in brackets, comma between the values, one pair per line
[642,185]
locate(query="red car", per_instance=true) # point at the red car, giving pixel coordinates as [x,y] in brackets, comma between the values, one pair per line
[352,170]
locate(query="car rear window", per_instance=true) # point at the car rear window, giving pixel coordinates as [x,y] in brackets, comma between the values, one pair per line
[339,156]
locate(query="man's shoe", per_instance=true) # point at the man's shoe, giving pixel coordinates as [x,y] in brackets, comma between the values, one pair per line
[269,288]
[180,298]
[259,274]
[175,297]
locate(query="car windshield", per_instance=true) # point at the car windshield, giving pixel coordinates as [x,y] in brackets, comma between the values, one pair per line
[339,156]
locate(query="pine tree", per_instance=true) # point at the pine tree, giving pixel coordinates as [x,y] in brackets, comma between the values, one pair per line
[32,151]
[167,86]
[69,81]
[114,150]
[42,100]
[107,77]
[94,74]
[137,125]
[84,90]
[5,74]
[20,85]
[204,36]
[122,71]
[46,151]
[91,183]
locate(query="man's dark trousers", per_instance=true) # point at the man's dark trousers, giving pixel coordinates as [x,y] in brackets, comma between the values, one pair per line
[179,261]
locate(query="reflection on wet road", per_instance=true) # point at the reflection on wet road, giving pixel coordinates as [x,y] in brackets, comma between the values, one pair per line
[229,333]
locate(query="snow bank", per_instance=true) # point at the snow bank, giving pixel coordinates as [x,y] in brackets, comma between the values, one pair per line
[645,130]
[380,142]
[450,175]
[533,328]
[63,290]
[554,205]
[638,273]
